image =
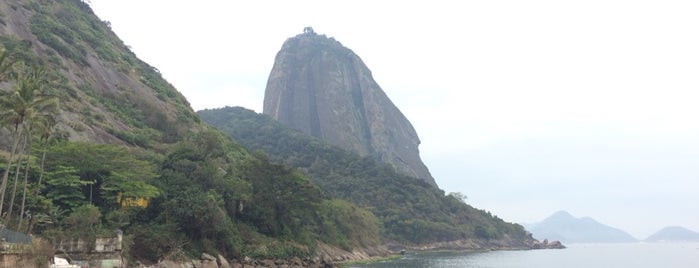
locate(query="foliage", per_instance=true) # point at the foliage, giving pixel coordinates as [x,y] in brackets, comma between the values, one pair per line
[26,107]
[83,222]
[408,209]
[347,225]
[42,252]
[194,201]
[283,201]
[64,187]
[111,170]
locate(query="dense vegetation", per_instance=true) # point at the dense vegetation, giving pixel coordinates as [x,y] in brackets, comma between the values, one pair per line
[173,185]
[409,209]
[206,193]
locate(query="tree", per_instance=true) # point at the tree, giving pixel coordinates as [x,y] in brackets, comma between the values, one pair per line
[43,126]
[16,179]
[83,223]
[27,101]
[6,63]
[459,196]
[113,169]
[64,186]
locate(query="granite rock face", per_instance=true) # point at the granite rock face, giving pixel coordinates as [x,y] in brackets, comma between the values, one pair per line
[322,88]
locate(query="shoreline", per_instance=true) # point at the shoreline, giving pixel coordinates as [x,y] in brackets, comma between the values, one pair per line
[343,258]
[329,256]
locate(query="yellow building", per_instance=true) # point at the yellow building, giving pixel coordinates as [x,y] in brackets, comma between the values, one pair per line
[132,202]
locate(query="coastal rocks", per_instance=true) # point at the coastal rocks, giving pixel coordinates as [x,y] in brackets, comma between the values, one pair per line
[208,261]
[325,90]
[547,245]
[223,263]
[290,263]
[331,254]
[481,245]
[328,256]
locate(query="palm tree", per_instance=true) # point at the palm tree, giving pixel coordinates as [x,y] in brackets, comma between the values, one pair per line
[16,180]
[43,126]
[6,64]
[26,102]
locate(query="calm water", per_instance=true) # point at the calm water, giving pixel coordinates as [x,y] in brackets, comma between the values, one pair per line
[660,255]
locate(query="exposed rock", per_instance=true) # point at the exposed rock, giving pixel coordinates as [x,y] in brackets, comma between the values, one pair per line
[535,244]
[322,88]
[223,263]
[556,245]
[207,257]
[296,260]
[208,264]
[268,263]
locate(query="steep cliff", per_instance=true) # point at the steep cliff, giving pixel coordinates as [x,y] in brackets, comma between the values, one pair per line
[324,89]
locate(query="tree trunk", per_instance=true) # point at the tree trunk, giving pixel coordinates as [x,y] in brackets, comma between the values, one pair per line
[24,187]
[41,167]
[3,186]
[14,189]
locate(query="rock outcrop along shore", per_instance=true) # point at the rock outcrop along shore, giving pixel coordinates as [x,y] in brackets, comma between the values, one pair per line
[328,256]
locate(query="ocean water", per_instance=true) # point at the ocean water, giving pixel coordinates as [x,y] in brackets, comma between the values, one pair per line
[651,255]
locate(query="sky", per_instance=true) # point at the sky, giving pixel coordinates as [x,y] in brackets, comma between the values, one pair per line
[526,107]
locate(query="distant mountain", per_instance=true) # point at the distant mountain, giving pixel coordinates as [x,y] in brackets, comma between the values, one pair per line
[564,227]
[674,234]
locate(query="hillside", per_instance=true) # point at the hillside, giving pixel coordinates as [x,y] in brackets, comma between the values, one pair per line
[93,140]
[410,210]
[106,93]
[568,229]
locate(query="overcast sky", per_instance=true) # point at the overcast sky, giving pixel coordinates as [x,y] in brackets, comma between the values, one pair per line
[526,107]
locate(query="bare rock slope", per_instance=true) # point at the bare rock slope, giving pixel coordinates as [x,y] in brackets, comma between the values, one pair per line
[322,88]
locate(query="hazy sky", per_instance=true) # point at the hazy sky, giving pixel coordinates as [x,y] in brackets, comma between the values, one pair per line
[526,107]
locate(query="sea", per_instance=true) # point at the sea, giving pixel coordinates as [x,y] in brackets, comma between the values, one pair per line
[651,255]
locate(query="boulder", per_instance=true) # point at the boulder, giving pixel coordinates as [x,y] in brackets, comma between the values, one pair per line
[556,245]
[223,263]
[207,257]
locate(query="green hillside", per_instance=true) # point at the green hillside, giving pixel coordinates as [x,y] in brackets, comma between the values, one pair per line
[92,140]
[410,210]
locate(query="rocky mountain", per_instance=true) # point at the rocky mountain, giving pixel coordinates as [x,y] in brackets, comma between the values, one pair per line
[107,94]
[564,227]
[674,234]
[324,89]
